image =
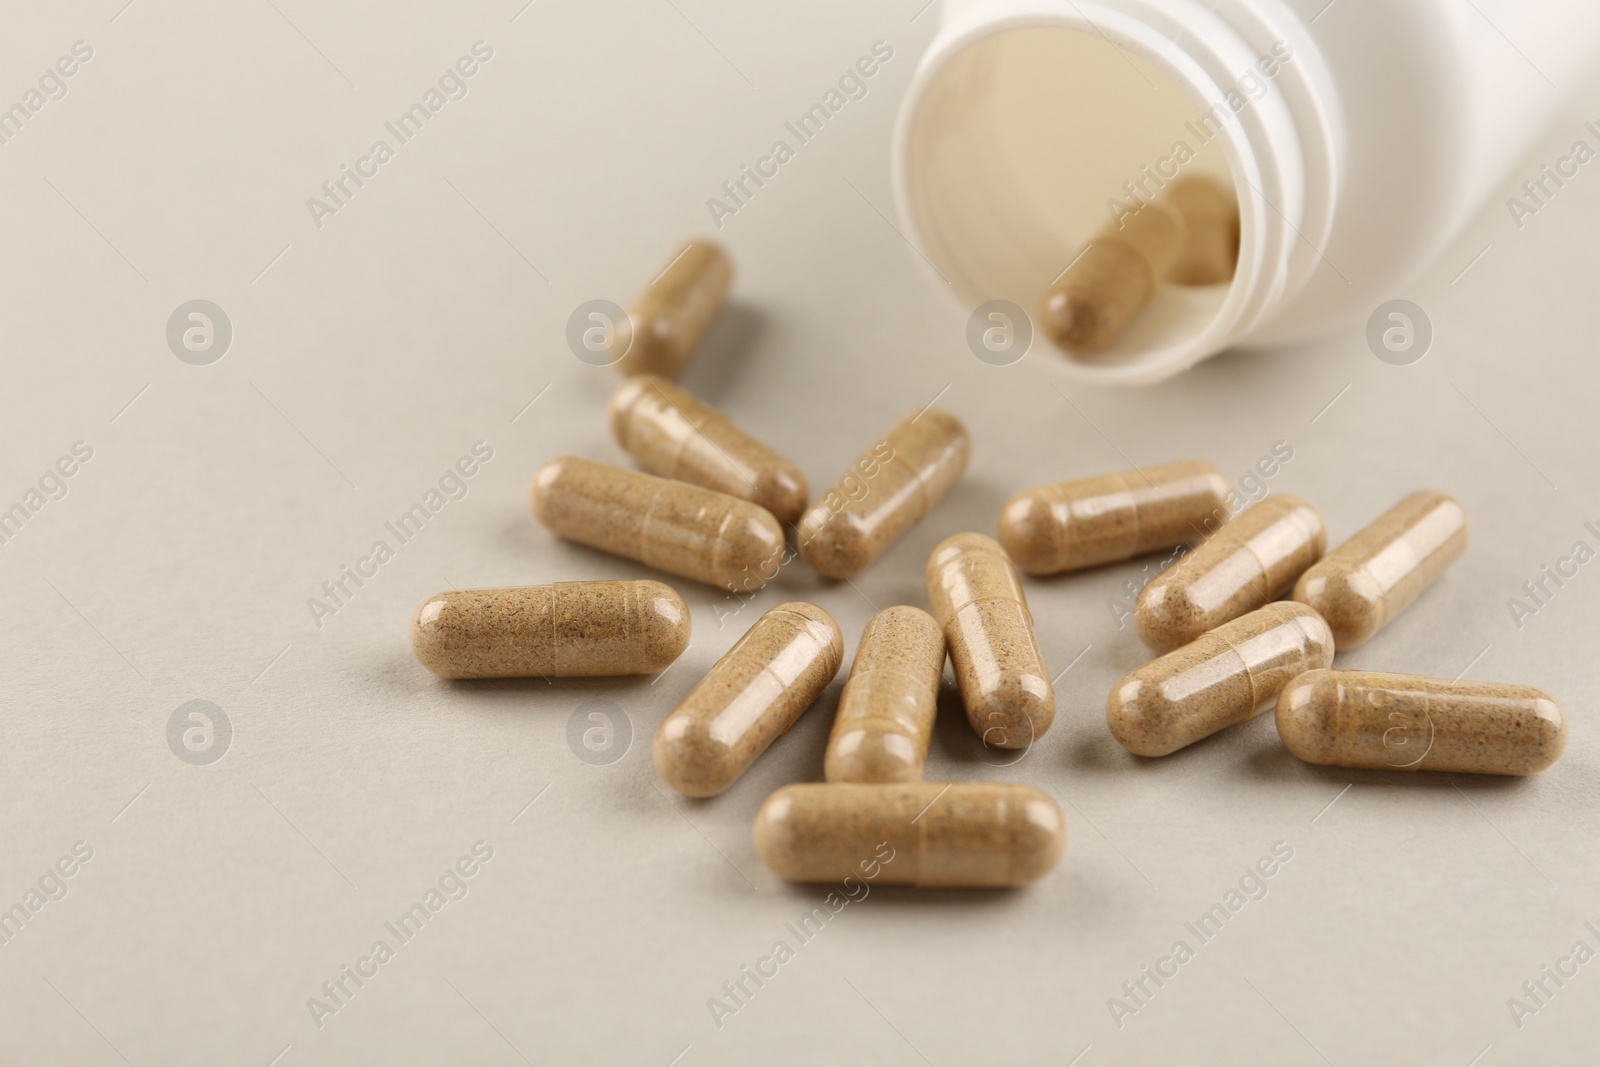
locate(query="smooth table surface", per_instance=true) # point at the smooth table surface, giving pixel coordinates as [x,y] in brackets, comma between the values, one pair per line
[428,313]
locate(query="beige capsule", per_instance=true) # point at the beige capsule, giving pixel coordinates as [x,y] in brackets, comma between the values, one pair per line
[1363,584]
[977,597]
[1211,224]
[679,528]
[751,695]
[1244,565]
[1112,517]
[885,718]
[671,314]
[676,435]
[565,630]
[1112,277]
[933,834]
[886,491]
[1220,678]
[1404,722]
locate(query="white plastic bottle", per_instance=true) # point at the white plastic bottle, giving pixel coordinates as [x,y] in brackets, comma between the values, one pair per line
[1360,135]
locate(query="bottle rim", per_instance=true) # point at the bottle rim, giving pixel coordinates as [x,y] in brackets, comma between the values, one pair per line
[1283,177]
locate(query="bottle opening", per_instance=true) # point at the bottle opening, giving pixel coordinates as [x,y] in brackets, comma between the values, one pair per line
[1024,143]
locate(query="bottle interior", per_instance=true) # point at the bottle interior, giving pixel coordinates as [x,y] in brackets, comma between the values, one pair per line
[1023,146]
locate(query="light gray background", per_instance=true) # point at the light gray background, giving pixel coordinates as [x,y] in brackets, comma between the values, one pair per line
[369,354]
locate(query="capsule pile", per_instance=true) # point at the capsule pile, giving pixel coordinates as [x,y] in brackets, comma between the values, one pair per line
[1187,236]
[715,507]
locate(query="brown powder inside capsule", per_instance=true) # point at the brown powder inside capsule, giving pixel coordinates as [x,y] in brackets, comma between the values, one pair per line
[1244,565]
[1111,517]
[1403,722]
[885,718]
[751,696]
[977,596]
[1111,279]
[1220,678]
[668,318]
[676,435]
[887,490]
[565,630]
[680,528]
[1211,223]
[933,834]
[1365,582]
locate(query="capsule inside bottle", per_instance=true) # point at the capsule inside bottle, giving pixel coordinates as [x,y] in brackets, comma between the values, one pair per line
[1112,278]
[933,834]
[1211,224]
[1188,235]
[1404,722]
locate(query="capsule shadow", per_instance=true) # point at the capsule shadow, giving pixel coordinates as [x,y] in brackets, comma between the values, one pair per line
[953,736]
[524,535]
[973,504]
[608,566]
[794,575]
[1233,365]
[724,351]
[1274,762]
[797,756]
[967,500]
[624,689]
[902,593]
[1105,754]
[1100,754]
[903,896]
[1125,651]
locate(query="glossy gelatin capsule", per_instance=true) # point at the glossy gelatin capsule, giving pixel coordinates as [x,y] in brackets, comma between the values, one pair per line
[1244,565]
[1210,214]
[1112,278]
[674,434]
[977,597]
[672,313]
[1365,582]
[1220,678]
[885,718]
[752,694]
[676,527]
[1403,722]
[1112,517]
[935,834]
[886,491]
[565,630]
